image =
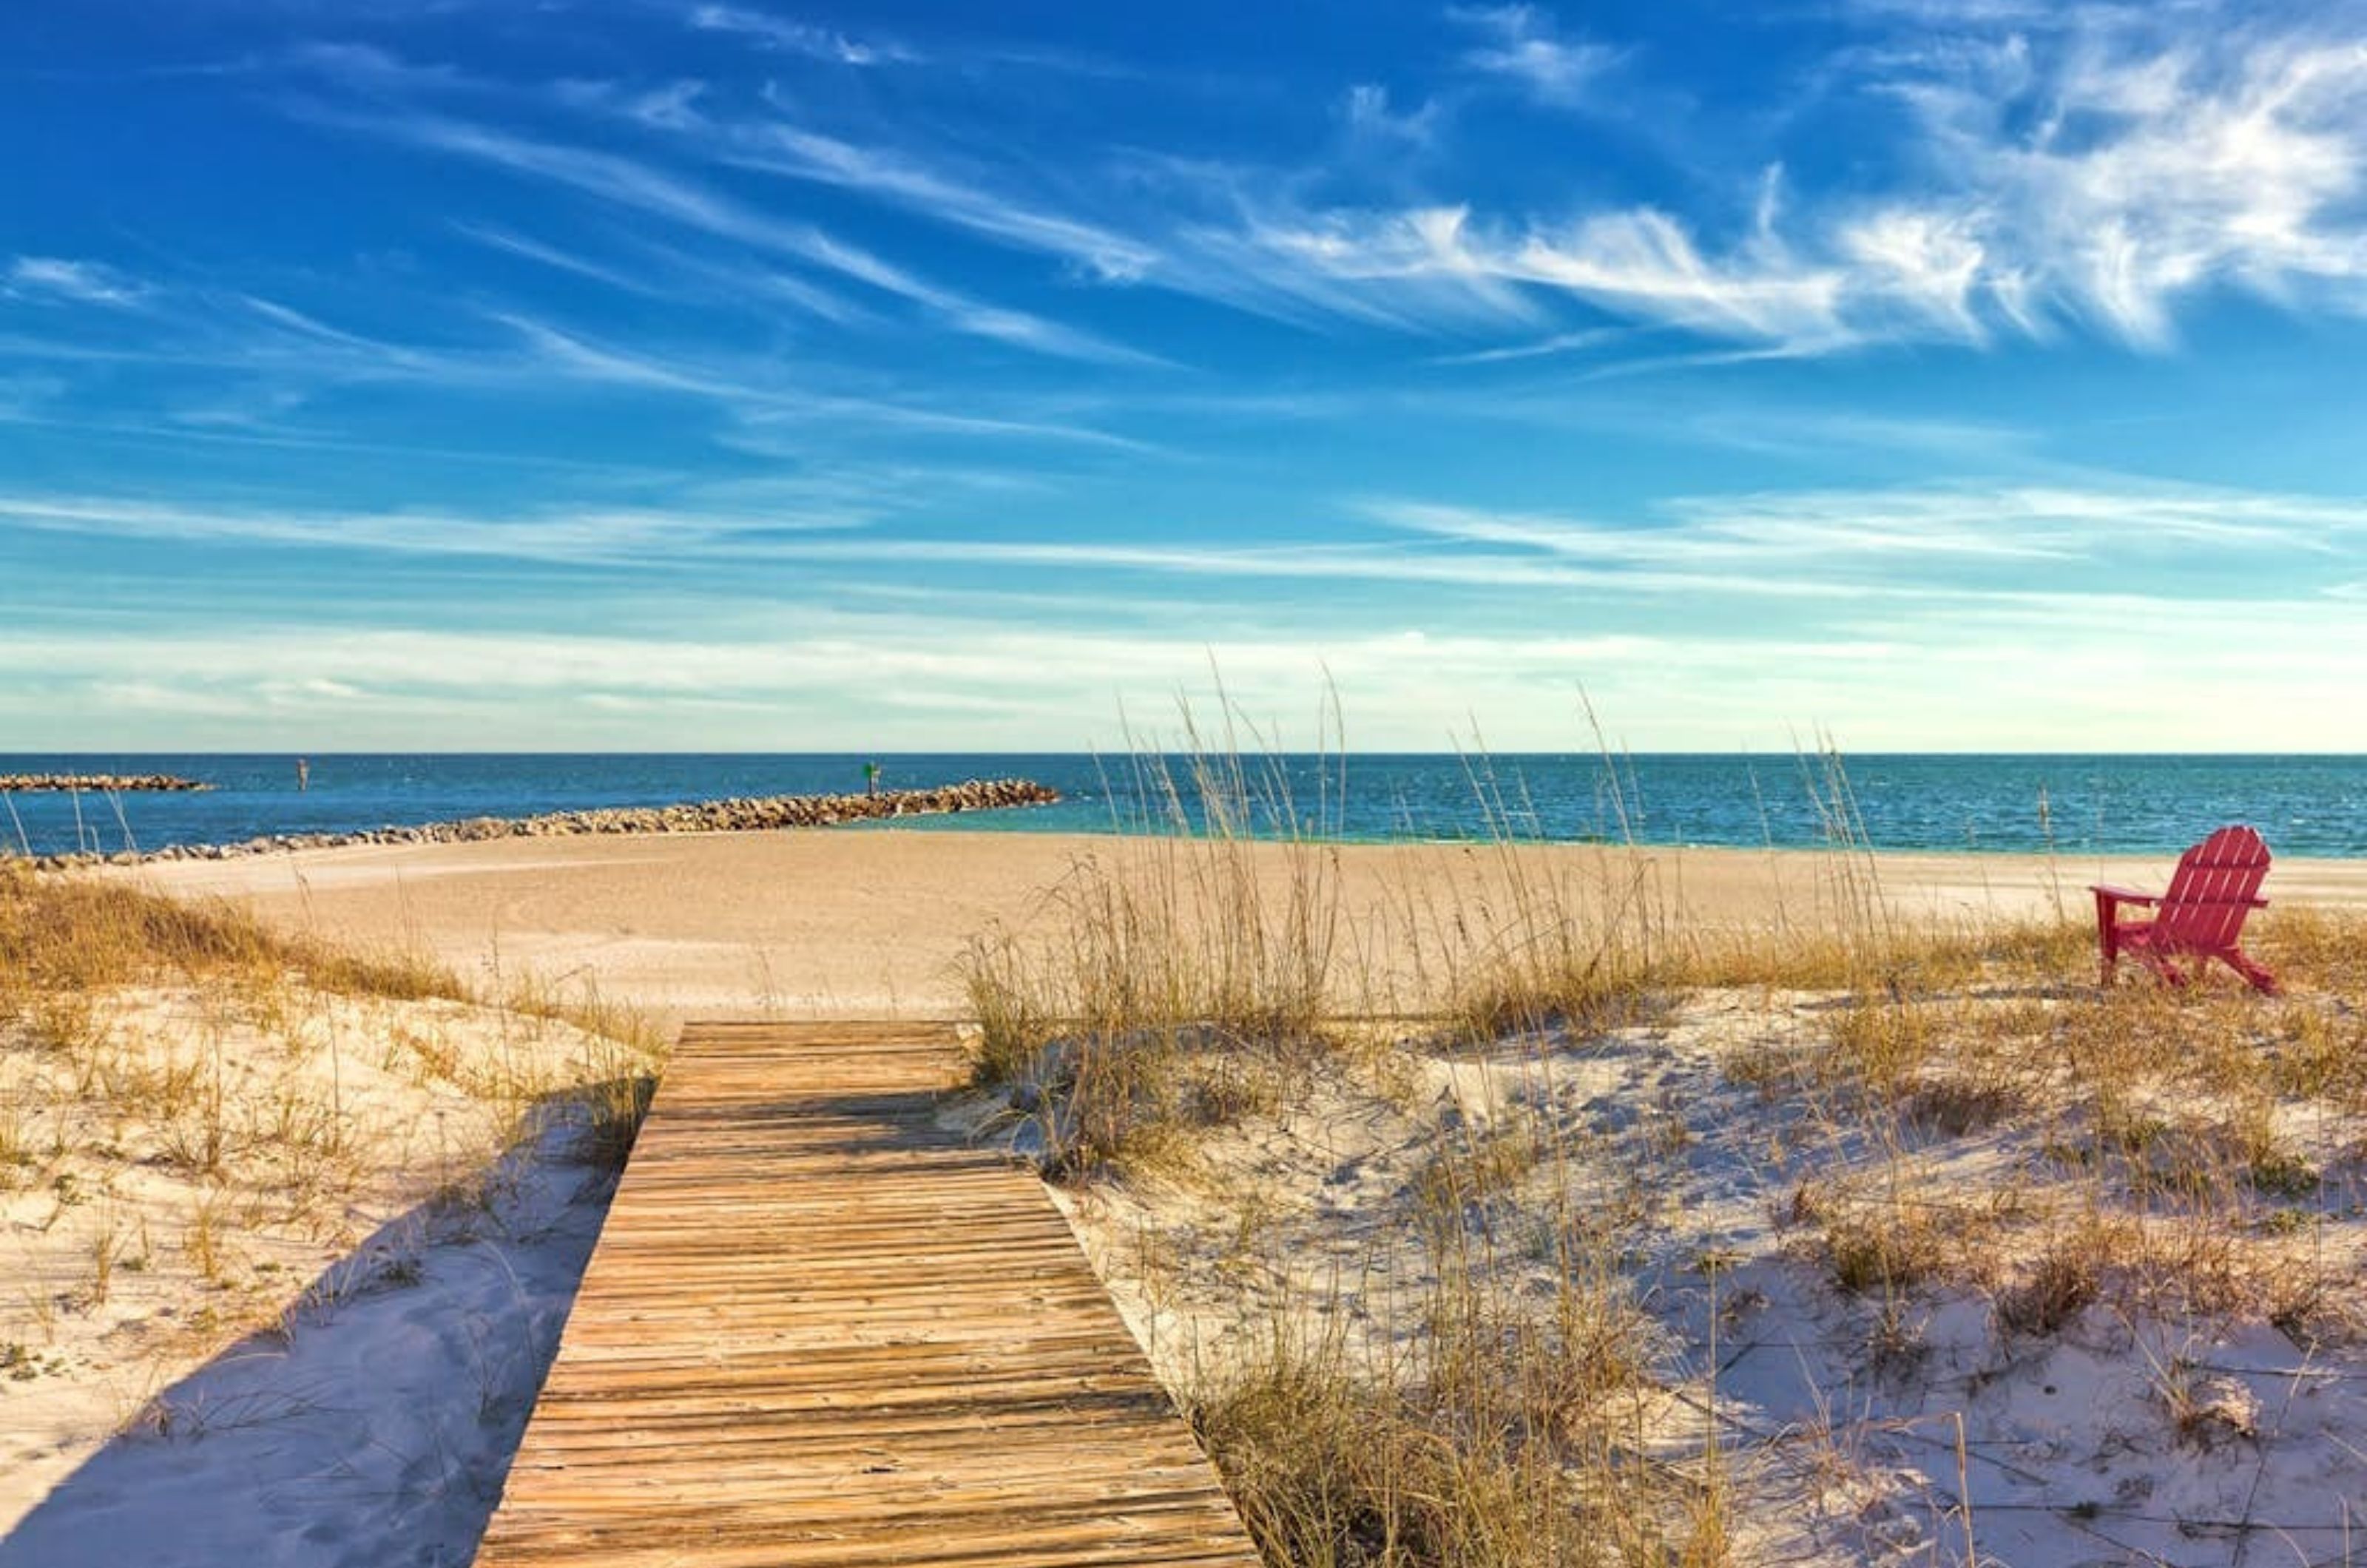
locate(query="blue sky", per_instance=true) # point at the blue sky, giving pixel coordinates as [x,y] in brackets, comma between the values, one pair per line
[663,374]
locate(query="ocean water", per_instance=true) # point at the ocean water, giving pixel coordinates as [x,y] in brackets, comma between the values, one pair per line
[2074,805]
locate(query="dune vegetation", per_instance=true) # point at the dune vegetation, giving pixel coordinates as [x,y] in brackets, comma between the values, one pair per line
[211,1134]
[1573,1232]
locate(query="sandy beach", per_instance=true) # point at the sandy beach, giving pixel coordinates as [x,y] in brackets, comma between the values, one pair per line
[1980,1236]
[871,923]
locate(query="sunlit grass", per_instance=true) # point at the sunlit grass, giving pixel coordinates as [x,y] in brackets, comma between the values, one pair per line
[2167,1149]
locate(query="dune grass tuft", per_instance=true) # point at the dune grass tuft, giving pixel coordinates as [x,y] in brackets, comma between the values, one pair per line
[193,1099]
[62,936]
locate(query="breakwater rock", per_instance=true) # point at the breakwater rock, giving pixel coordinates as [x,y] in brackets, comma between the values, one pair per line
[98,784]
[741,816]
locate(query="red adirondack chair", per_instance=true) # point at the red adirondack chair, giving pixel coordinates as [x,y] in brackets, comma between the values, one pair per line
[2216,885]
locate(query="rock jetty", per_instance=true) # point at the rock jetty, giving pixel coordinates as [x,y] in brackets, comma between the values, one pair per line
[98,784]
[738,816]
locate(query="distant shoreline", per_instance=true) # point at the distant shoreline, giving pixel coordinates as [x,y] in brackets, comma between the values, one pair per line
[1954,806]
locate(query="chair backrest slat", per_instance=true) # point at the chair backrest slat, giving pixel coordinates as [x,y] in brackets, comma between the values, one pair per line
[2212,889]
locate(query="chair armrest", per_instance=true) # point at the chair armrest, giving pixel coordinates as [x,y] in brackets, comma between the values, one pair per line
[2122,895]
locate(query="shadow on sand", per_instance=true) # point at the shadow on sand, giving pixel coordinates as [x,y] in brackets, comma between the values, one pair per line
[376,1422]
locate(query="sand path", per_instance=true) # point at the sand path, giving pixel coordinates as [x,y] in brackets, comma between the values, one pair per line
[832,922]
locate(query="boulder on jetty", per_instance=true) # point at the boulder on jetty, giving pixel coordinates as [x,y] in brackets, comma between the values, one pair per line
[739,816]
[98,784]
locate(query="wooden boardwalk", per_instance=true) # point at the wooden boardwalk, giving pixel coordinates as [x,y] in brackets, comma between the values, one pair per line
[818,1330]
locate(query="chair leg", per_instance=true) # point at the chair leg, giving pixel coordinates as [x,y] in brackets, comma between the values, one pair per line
[2242,963]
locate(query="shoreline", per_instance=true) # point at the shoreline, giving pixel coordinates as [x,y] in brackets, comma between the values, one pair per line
[1637,845]
[814,923]
[1956,806]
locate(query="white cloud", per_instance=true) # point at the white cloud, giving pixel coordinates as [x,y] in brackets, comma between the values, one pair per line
[800,37]
[82,282]
[1754,539]
[553,256]
[1948,545]
[1920,541]
[1929,263]
[1368,115]
[815,684]
[674,106]
[2156,169]
[2047,165]
[379,73]
[2083,172]
[1644,264]
[761,396]
[2262,674]
[584,537]
[1557,344]
[2091,170]
[636,186]
[967,199]
[1523,46]
[1442,267]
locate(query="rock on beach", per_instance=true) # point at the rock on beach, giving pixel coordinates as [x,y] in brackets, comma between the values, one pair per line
[759,814]
[98,784]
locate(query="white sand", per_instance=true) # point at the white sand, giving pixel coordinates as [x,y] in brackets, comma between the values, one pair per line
[872,922]
[2128,1435]
[270,1290]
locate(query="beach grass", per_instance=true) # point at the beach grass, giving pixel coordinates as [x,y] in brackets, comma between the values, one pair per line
[1509,1353]
[203,1121]
[67,935]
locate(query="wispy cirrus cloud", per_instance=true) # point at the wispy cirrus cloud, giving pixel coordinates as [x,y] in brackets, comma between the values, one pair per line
[2155,168]
[514,243]
[1542,348]
[583,537]
[1450,268]
[821,531]
[761,396]
[1523,44]
[657,271]
[290,354]
[1209,231]
[2093,169]
[2096,173]
[1928,535]
[637,186]
[967,198]
[794,37]
[1368,114]
[375,72]
[80,282]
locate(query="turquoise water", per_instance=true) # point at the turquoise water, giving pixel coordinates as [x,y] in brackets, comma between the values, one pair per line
[2305,804]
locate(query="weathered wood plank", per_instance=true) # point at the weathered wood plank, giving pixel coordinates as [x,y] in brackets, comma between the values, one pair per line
[817,1330]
